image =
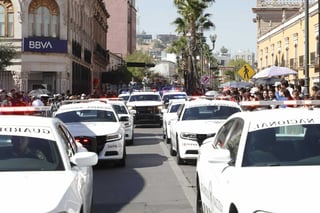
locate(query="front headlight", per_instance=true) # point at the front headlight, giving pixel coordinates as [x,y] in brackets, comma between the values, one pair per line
[113,137]
[130,107]
[188,136]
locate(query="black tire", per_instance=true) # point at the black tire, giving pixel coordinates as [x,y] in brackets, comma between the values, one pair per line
[130,142]
[199,208]
[168,140]
[172,152]
[179,159]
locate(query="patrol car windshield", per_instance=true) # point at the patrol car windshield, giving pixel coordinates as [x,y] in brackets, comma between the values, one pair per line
[22,153]
[209,112]
[87,116]
[283,146]
[144,97]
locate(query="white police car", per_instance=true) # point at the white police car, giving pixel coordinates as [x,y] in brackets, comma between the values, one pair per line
[148,107]
[262,161]
[42,167]
[96,125]
[169,114]
[127,116]
[196,121]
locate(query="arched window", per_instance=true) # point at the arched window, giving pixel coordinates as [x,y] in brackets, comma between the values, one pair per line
[6,19]
[43,18]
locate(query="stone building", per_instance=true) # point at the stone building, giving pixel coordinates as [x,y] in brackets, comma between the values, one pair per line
[281,37]
[58,42]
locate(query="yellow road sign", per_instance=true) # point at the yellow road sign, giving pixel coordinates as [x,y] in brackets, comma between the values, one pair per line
[246,72]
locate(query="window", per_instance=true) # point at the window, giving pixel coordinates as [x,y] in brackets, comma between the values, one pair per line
[43,18]
[6,19]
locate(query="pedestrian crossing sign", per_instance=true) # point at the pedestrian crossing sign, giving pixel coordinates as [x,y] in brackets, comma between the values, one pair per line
[246,72]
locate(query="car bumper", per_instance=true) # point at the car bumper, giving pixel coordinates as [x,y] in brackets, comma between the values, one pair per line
[150,119]
[112,151]
[188,149]
[129,133]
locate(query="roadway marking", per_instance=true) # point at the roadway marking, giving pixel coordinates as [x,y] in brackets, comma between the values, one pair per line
[184,183]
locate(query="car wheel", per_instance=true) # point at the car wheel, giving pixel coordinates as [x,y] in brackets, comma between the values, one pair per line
[168,140]
[164,133]
[172,152]
[198,199]
[179,159]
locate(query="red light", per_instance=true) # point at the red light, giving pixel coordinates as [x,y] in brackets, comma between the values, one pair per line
[82,140]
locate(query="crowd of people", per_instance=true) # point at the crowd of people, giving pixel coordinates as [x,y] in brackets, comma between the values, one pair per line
[20,98]
[280,91]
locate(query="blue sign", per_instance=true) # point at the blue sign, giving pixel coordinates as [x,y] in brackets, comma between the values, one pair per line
[44,44]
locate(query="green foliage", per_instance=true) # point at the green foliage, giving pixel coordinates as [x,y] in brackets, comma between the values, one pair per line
[237,64]
[7,53]
[138,56]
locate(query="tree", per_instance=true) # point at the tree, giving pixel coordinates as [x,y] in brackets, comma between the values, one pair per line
[7,53]
[138,56]
[236,64]
[192,19]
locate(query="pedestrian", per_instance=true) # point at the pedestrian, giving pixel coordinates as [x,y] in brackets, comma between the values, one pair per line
[7,102]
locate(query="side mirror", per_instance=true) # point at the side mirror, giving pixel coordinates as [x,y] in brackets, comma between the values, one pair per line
[84,159]
[220,156]
[132,111]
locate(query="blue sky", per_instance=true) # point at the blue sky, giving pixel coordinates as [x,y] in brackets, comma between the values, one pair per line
[233,19]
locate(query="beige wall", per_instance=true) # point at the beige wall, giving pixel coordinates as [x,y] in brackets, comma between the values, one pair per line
[287,41]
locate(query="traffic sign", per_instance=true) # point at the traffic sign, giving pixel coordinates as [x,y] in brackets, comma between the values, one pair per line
[246,72]
[205,79]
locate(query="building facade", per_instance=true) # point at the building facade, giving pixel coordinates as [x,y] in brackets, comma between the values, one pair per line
[58,42]
[121,36]
[281,37]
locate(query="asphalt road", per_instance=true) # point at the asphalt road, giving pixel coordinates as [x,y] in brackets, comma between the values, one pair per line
[151,182]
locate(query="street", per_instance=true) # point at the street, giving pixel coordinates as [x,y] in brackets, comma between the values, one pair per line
[151,181]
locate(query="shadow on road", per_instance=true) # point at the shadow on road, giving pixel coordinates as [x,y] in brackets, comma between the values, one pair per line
[115,187]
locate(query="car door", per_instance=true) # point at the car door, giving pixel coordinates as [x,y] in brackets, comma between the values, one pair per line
[83,175]
[222,176]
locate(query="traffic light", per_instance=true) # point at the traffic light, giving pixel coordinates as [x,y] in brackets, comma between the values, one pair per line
[139,64]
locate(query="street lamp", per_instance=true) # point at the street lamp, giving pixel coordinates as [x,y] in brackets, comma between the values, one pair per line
[213,38]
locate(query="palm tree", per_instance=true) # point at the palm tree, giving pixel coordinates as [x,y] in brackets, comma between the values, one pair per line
[192,18]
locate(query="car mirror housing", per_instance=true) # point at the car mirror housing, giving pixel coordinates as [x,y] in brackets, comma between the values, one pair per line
[220,156]
[84,159]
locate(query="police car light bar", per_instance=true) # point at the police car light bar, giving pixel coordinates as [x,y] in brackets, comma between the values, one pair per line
[27,110]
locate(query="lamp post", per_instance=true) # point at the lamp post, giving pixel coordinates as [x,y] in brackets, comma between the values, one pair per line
[213,38]
[306,45]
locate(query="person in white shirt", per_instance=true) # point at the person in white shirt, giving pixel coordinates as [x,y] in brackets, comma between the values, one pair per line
[37,101]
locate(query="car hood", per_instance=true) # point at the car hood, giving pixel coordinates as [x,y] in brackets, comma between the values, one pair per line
[278,189]
[92,128]
[144,103]
[37,191]
[199,126]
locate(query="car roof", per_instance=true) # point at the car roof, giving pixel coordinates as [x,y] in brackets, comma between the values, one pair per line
[174,93]
[88,105]
[35,126]
[145,93]
[278,117]
[202,102]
